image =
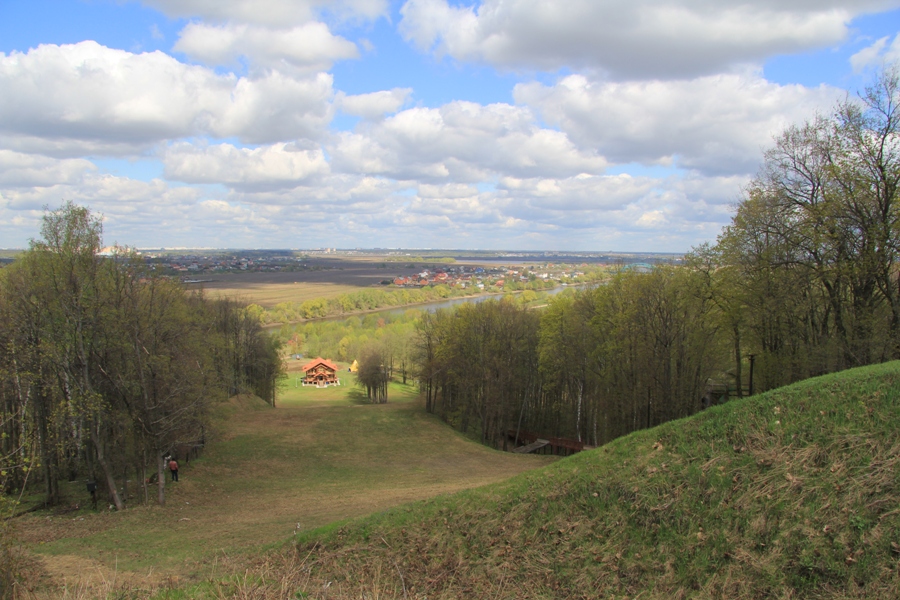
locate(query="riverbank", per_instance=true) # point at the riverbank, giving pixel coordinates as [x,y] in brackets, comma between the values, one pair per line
[429,306]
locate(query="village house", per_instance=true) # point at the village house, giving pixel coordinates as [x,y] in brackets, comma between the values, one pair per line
[320,373]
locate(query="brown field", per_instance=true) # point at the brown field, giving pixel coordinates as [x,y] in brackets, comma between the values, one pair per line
[334,277]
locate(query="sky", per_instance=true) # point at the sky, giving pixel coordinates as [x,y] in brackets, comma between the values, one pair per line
[584,125]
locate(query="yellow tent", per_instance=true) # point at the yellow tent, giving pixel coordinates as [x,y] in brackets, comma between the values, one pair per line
[354,367]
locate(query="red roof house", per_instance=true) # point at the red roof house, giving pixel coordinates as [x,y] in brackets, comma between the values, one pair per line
[320,373]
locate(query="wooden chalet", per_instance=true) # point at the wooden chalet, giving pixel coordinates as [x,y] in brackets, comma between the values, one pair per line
[320,373]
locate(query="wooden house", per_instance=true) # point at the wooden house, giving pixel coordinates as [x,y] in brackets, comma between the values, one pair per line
[320,373]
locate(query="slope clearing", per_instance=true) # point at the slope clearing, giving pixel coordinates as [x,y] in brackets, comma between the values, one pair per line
[792,493]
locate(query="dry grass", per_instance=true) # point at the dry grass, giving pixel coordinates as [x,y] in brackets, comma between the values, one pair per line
[329,279]
[269,295]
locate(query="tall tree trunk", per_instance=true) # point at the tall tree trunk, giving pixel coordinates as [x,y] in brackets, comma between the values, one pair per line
[160,478]
[98,443]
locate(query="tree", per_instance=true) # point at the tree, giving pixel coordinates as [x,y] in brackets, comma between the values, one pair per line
[104,367]
[814,242]
[373,374]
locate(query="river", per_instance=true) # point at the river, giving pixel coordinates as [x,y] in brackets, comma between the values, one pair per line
[434,306]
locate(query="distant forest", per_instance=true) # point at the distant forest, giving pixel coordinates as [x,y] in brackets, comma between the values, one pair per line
[804,281]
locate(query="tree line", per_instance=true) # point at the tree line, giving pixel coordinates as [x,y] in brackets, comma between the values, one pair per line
[105,368]
[804,281]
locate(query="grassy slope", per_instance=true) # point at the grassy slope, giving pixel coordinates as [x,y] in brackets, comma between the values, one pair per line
[322,455]
[793,493]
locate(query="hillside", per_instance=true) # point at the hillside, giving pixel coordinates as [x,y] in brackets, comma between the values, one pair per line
[322,455]
[792,493]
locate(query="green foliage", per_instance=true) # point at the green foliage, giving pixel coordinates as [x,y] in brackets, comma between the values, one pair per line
[478,366]
[104,367]
[346,339]
[593,365]
[809,263]
[356,302]
[374,374]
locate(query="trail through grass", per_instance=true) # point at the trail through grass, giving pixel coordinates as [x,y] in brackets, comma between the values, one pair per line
[321,456]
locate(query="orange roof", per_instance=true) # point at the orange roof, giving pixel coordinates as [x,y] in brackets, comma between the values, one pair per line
[316,362]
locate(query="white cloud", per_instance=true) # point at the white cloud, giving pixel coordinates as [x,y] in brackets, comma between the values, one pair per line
[448,190]
[580,193]
[643,38]
[717,124]
[876,54]
[462,142]
[106,194]
[327,196]
[89,98]
[374,105]
[304,48]
[276,108]
[268,168]
[579,212]
[18,170]
[278,13]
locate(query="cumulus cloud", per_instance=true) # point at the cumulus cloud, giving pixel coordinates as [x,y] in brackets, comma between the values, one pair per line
[876,54]
[716,124]
[462,142]
[583,211]
[276,108]
[272,167]
[18,170]
[277,13]
[113,101]
[374,105]
[105,193]
[304,48]
[640,39]
[580,193]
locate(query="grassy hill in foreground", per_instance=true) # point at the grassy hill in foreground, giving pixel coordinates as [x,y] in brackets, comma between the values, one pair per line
[792,493]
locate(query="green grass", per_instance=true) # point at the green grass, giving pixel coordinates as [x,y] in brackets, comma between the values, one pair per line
[793,493]
[789,494]
[321,456]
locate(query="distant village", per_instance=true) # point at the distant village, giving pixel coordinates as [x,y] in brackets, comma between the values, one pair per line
[195,267]
[195,264]
[468,276]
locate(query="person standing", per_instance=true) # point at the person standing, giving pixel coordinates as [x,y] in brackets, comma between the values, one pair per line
[173,468]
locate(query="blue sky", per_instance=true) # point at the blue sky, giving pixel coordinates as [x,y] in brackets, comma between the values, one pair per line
[521,124]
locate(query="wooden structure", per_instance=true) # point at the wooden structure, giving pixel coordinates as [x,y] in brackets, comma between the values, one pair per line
[320,373]
[545,445]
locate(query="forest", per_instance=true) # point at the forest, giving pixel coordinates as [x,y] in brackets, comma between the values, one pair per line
[105,368]
[802,282]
